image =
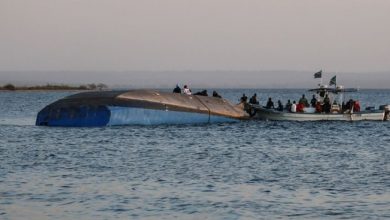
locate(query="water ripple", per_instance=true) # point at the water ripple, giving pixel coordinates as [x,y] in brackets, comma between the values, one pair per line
[246,170]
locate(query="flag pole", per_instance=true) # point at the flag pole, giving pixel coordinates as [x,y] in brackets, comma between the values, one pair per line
[320,78]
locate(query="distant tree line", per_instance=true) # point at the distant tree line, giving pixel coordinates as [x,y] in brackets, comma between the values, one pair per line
[92,86]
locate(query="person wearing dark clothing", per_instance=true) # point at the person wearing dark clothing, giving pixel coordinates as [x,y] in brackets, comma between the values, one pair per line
[244,98]
[326,99]
[313,101]
[304,101]
[322,93]
[280,106]
[202,93]
[349,105]
[253,100]
[215,94]
[177,89]
[327,107]
[270,103]
[288,105]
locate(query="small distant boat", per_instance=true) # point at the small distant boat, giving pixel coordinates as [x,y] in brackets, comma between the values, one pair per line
[336,113]
[137,107]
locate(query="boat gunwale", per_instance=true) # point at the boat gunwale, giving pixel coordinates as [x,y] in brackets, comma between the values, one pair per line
[273,114]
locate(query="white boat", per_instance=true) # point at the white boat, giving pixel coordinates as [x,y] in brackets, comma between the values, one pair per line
[337,113]
[274,115]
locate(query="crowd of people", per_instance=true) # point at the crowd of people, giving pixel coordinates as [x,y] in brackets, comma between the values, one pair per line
[324,106]
[187,91]
[315,105]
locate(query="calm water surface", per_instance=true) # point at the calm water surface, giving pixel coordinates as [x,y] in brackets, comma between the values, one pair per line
[245,170]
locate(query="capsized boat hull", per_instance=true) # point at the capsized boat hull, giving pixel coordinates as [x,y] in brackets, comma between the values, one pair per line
[137,107]
[274,115]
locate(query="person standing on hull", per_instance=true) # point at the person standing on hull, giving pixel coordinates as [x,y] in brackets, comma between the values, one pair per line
[187,91]
[177,89]
[244,98]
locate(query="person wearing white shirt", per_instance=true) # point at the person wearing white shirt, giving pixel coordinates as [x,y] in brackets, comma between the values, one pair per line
[186,90]
[294,107]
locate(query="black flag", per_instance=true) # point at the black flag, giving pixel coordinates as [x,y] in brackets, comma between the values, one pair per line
[333,81]
[318,74]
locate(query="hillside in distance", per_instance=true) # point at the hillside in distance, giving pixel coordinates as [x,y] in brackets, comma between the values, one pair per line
[196,79]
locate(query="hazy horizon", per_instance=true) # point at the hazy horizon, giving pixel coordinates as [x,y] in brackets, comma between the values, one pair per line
[195,79]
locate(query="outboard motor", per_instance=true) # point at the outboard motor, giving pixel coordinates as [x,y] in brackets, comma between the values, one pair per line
[385,108]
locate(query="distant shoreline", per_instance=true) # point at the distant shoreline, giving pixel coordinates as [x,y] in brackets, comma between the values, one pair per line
[50,87]
[46,90]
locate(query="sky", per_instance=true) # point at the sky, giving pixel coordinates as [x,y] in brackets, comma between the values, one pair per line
[254,36]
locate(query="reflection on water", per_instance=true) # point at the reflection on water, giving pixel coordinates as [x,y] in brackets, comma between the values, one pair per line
[219,171]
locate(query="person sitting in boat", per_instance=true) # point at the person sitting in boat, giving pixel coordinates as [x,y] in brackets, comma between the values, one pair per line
[343,107]
[187,91]
[270,103]
[304,101]
[216,95]
[244,98]
[253,99]
[327,99]
[318,107]
[300,107]
[288,105]
[313,101]
[322,93]
[356,106]
[294,107]
[202,93]
[348,106]
[335,107]
[327,106]
[280,106]
[177,89]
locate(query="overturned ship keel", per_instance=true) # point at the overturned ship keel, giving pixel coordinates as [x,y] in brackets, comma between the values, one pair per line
[137,107]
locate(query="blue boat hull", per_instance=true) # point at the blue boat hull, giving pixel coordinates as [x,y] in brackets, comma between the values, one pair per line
[114,115]
[142,116]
